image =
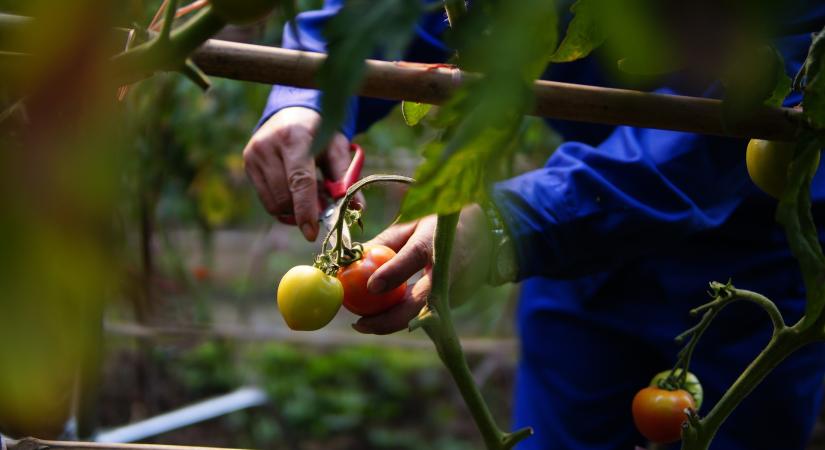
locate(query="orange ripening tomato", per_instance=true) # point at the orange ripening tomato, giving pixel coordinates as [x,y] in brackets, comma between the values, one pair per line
[201,273]
[659,413]
[354,277]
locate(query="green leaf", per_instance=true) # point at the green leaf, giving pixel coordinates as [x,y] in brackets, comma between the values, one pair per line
[353,35]
[413,112]
[814,71]
[511,44]
[754,79]
[584,33]
[794,214]
[633,66]
[781,89]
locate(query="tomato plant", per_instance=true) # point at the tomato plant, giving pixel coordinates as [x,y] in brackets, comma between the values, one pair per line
[241,12]
[308,298]
[354,277]
[659,414]
[768,163]
[478,121]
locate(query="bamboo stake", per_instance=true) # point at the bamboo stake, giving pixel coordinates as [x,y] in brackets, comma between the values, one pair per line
[434,84]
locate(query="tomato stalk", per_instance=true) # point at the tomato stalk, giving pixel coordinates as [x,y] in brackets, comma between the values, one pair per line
[700,432]
[330,259]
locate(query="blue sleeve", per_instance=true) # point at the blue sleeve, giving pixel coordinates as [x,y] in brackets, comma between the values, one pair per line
[426,47]
[592,208]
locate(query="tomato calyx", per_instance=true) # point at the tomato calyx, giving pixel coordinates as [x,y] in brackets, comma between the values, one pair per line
[344,252]
[677,379]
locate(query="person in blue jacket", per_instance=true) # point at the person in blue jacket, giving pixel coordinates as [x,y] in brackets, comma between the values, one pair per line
[614,241]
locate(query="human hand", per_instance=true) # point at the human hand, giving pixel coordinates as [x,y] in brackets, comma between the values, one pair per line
[469,264]
[278,161]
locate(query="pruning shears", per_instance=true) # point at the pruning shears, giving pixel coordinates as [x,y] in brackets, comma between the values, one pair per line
[331,193]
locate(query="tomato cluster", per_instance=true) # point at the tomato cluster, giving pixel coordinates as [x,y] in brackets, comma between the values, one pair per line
[660,409]
[308,298]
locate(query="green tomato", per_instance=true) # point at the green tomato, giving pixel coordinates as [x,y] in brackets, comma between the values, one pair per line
[308,298]
[768,163]
[691,384]
[242,12]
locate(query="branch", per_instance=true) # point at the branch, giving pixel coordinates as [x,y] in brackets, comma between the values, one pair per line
[784,341]
[168,21]
[170,54]
[701,433]
[723,295]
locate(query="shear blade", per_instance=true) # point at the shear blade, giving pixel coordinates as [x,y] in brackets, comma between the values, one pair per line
[328,218]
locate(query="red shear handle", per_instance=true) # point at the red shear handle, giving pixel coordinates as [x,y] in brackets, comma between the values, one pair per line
[338,189]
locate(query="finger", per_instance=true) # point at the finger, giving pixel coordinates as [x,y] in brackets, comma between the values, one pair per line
[336,159]
[300,176]
[253,171]
[335,162]
[416,254]
[274,175]
[395,236]
[398,317]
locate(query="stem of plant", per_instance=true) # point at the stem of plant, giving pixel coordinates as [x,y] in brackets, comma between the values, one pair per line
[781,345]
[784,341]
[166,54]
[436,320]
[338,227]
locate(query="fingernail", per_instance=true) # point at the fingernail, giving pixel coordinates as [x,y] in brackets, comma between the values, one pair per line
[376,286]
[308,231]
[360,328]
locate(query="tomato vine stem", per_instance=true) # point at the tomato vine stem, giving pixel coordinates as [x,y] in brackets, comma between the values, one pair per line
[436,317]
[436,320]
[794,214]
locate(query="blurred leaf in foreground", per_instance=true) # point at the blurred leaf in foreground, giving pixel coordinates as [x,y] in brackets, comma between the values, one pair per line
[353,35]
[510,43]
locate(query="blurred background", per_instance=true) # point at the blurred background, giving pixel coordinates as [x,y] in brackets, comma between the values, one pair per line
[161,269]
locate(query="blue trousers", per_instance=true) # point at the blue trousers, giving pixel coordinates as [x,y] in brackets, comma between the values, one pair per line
[581,365]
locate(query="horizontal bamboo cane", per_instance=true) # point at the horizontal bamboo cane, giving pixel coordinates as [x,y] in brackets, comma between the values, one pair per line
[434,85]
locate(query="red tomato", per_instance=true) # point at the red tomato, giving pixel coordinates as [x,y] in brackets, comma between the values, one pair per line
[201,273]
[660,413]
[354,278]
